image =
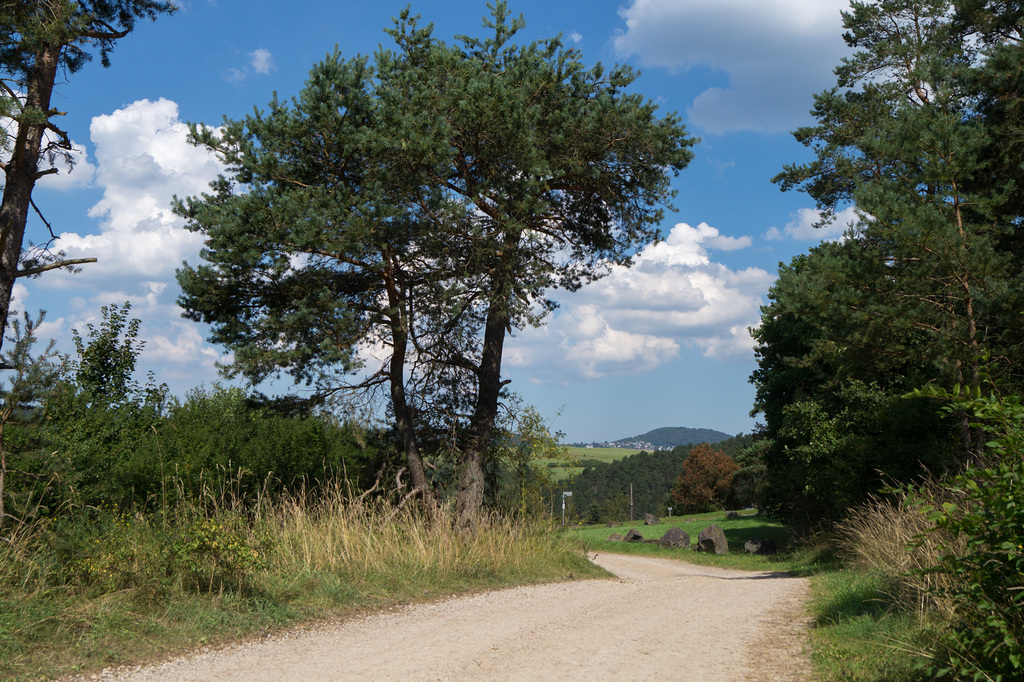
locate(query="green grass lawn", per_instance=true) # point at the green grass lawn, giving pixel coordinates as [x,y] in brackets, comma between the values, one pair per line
[737,532]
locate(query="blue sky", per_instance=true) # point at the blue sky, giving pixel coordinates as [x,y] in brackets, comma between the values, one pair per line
[662,344]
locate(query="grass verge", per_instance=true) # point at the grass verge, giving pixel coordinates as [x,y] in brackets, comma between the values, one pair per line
[114,588]
[860,629]
[861,633]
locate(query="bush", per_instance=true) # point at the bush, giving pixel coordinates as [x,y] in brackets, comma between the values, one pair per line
[706,480]
[984,577]
[220,437]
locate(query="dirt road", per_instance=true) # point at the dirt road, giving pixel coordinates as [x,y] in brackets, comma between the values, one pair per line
[661,620]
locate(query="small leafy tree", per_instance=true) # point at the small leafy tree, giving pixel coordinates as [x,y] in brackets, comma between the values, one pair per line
[103,418]
[521,448]
[706,480]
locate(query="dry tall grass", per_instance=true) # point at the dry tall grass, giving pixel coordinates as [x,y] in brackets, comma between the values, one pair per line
[218,567]
[898,541]
[372,540]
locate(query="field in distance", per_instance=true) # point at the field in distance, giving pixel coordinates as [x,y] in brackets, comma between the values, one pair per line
[583,454]
[600,454]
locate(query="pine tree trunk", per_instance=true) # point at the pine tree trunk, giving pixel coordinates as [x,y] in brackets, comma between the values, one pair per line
[22,171]
[3,480]
[471,471]
[396,378]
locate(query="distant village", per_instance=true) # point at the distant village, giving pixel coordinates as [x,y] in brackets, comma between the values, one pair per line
[625,444]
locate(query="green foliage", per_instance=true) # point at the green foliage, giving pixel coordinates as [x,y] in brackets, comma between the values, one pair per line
[705,483]
[985,579]
[103,423]
[219,551]
[750,481]
[30,381]
[524,452]
[927,280]
[427,199]
[118,442]
[74,26]
[106,364]
[221,438]
[602,490]
[836,426]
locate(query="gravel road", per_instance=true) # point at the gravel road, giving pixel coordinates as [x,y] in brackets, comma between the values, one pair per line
[660,620]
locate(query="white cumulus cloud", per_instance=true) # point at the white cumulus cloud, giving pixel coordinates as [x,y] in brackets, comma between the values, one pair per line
[143,159]
[801,226]
[638,318]
[775,53]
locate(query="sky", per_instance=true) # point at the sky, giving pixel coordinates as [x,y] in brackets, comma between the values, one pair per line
[665,343]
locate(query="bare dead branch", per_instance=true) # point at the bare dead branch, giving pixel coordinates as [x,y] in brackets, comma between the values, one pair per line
[376,484]
[53,266]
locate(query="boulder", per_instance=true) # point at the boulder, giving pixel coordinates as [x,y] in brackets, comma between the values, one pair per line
[712,540]
[614,524]
[760,546]
[651,520]
[614,537]
[732,515]
[633,535]
[675,538]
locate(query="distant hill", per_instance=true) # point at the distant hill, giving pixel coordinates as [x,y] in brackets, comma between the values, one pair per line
[671,436]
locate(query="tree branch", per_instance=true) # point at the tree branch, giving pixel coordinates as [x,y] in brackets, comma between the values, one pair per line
[48,171]
[53,266]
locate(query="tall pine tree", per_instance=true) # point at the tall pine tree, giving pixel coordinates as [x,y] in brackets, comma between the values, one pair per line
[927,284]
[426,204]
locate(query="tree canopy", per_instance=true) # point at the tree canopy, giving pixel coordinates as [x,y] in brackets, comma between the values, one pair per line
[926,285]
[425,203]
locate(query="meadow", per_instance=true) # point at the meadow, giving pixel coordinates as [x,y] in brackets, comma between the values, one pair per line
[559,471]
[600,454]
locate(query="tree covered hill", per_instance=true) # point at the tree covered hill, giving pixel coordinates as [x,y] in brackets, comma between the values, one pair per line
[674,436]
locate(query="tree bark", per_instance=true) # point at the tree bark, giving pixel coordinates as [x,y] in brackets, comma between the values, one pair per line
[471,471]
[396,378]
[22,171]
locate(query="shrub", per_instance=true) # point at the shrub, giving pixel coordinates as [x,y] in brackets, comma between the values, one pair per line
[984,577]
[705,481]
[221,435]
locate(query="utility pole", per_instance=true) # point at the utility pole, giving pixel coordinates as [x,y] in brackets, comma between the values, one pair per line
[630,502]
